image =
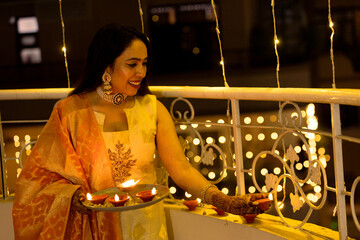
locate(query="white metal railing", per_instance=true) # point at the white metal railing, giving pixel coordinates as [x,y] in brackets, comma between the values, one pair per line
[285,97]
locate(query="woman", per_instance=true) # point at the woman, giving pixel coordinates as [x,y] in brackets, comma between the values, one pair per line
[103,134]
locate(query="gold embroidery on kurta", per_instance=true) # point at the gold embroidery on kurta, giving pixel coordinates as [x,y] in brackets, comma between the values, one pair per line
[122,161]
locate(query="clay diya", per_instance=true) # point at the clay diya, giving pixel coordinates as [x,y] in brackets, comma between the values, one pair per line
[249,217]
[264,204]
[218,211]
[118,200]
[192,204]
[147,195]
[97,199]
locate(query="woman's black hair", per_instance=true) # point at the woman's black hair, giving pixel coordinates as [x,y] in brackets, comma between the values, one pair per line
[109,43]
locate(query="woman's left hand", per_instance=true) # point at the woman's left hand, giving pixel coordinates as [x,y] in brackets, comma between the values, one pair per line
[76,202]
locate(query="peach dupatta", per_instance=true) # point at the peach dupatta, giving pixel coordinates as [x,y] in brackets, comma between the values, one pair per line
[69,154]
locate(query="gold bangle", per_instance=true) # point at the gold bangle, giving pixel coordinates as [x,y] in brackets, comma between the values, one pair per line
[203,192]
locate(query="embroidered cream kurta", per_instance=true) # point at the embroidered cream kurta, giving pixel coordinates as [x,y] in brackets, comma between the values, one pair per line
[131,153]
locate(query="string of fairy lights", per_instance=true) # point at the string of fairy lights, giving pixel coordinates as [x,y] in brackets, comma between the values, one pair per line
[64,44]
[312,122]
[331,25]
[276,42]
[222,62]
[141,13]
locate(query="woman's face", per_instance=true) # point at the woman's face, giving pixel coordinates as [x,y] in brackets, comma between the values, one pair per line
[129,69]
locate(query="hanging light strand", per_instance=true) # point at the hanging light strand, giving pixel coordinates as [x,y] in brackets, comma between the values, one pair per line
[331,25]
[64,45]
[141,17]
[222,63]
[276,42]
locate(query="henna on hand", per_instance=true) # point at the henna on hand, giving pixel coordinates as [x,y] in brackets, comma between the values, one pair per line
[238,205]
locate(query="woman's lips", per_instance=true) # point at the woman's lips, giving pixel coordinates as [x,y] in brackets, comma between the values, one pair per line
[135,84]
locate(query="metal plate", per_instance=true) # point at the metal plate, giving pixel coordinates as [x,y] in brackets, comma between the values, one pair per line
[136,203]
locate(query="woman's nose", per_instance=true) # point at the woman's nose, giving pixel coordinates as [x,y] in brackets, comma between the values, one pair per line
[141,71]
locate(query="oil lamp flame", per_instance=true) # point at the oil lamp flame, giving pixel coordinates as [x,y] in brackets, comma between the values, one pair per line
[116,198]
[271,196]
[153,191]
[198,200]
[129,183]
[88,196]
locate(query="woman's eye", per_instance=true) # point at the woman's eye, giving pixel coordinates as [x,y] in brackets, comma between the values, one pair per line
[132,64]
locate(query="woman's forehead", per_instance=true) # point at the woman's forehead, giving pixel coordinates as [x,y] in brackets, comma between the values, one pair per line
[136,49]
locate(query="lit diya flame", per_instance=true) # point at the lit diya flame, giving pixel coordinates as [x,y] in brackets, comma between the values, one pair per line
[129,183]
[118,200]
[153,191]
[264,203]
[271,196]
[88,196]
[198,200]
[96,199]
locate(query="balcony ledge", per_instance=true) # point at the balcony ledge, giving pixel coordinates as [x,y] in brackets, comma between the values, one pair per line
[184,224]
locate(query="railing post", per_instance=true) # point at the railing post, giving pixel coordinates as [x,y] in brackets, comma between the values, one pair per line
[2,162]
[240,175]
[339,171]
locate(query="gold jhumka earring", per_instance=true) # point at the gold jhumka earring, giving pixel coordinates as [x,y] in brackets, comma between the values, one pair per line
[106,78]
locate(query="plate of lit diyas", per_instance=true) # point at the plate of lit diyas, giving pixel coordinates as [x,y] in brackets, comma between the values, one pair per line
[126,198]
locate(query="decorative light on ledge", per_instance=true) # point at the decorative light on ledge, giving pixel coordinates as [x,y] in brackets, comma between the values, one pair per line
[196,141]
[252,189]
[208,125]
[248,137]
[260,119]
[221,121]
[222,139]
[172,190]
[183,127]
[277,170]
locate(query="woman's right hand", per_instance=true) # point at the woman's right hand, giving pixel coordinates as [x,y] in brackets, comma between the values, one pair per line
[76,203]
[238,205]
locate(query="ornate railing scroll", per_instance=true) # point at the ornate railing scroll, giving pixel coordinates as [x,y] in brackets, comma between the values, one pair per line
[207,151]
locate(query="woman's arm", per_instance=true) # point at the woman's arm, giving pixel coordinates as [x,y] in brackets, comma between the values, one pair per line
[172,155]
[187,177]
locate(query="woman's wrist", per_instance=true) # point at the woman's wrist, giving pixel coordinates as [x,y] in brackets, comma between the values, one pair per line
[207,192]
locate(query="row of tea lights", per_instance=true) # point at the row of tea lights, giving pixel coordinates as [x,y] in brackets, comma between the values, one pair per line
[263,204]
[128,186]
[120,200]
[148,195]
